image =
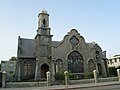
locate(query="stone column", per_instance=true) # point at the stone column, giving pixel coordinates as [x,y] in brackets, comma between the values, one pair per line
[36,69]
[48,78]
[3,79]
[118,73]
[53,71]
[95,76]
[19,71]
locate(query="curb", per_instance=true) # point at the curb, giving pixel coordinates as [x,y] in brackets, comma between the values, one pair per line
[89,86]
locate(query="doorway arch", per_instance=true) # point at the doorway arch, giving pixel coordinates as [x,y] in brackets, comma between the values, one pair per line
[44,69]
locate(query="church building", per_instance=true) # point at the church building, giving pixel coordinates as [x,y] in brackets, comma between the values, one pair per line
[41,54]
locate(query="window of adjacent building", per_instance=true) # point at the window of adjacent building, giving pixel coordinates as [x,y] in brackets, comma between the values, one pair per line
[115,60]
[111,61]
[11,64]
[3,65]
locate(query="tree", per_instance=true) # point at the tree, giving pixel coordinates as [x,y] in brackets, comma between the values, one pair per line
[0,66]
[13,58]
[112,71]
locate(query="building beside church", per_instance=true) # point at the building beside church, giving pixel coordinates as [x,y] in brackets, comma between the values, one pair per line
[41,54]
[114,61]
[9,67]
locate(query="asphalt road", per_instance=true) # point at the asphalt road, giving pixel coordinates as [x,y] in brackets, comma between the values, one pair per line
[113,87]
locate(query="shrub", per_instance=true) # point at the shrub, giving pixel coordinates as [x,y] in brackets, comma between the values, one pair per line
[59,76]
[113,71]
[88,75]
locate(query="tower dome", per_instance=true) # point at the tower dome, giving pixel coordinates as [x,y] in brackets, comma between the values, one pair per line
[44,11]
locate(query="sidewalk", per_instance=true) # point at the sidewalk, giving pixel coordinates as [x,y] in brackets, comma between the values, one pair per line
[63,87]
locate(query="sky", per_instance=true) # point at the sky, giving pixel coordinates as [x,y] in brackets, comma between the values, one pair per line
[95,20]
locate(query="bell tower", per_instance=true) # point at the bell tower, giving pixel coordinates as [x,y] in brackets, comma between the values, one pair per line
[43,23]
[43,41]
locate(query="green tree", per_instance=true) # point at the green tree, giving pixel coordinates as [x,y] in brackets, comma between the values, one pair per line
[0,66]
[113,71]
[13,58]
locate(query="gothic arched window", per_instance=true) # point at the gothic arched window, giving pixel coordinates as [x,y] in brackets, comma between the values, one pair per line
[91,65]
[75,62]
[99,68]
[27,68]
[59,66]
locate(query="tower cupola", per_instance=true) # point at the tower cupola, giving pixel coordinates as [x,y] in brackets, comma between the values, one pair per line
[43,23]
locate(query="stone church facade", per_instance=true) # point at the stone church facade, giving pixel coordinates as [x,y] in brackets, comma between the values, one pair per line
[41,54]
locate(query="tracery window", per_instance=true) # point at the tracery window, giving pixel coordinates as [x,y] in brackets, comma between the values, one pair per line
[75,62]
[27,68]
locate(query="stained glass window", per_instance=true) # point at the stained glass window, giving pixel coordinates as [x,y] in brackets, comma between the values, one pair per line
[75,62]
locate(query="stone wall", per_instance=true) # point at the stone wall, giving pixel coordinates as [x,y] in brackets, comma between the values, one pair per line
[25,84]
[100,80]
[71,82]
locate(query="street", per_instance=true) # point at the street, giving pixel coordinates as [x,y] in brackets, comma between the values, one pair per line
[112,87]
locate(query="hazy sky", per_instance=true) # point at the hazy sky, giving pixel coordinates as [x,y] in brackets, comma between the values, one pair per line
[96,20]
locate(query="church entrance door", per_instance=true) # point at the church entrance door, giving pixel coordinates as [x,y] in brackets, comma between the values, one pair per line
[44,69]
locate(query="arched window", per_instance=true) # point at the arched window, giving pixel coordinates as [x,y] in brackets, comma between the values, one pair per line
[91,65]
[99,69]
[27,68]
[59,66]
[75,62]
[44,23]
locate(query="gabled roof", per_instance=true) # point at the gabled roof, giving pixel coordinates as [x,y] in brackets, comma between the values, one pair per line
[26,47]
